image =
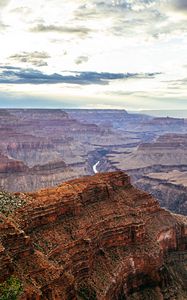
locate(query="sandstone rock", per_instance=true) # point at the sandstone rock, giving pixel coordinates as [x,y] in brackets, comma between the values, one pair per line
[95,238]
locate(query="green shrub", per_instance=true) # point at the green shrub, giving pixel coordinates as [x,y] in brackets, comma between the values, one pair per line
[10,289]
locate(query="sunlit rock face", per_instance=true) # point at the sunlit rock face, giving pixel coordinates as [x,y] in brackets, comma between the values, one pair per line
[94,238]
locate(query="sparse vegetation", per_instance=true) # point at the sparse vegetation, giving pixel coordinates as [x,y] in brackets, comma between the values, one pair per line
[8,203]
[38,247]
[10,289]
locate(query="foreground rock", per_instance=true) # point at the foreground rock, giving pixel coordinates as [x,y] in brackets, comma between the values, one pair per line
[94,238]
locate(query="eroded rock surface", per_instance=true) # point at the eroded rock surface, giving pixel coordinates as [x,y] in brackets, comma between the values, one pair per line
[94,238]
[158,167]
[44,147]
[170,187]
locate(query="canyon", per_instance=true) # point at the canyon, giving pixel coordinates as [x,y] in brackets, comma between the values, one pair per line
[44,147]
[96,237]
[170,187]
[158,167]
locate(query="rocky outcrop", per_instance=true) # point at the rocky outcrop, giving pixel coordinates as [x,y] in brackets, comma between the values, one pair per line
[169,187]
[165,125]
[95,238]
[166,150]
[167,154]
[8,165]
[16,176]
[110,118]
[43,147]
[14,244]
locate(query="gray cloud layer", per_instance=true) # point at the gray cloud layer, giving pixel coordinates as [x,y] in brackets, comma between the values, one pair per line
[35,58]
[180,4]
[81,59]
[11,74]
[132,17]
[81,31]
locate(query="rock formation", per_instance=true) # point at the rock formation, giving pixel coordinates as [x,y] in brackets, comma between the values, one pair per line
[48,147]
[39,148]
[44,147]
[169,187]
[163,157]
[166,150]
[94,238]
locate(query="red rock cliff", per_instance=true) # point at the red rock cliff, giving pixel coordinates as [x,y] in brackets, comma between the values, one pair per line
[94,238]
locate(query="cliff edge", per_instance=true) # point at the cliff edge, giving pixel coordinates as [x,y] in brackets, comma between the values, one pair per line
[95,237]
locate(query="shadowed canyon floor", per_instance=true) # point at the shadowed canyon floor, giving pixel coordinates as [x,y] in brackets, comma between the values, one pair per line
[93,238]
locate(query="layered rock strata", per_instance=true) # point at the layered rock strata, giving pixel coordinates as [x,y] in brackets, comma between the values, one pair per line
[43,147]
[170,187]
[45,138]
[162,157]
[94,238]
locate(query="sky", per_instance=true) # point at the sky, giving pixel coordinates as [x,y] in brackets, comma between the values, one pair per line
[124,54]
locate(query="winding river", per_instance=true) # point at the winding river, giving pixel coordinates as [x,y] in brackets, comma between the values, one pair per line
[95,167]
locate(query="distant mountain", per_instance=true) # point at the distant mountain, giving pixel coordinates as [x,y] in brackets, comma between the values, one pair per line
[165,113]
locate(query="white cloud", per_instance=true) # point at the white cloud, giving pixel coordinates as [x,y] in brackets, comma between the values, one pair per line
[114,36]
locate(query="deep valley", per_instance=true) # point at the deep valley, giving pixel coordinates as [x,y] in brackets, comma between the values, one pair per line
[42,148]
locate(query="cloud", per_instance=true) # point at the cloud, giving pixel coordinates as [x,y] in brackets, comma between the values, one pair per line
[24,10]
[125,17]
[79,30]
[35,58]
[177,84]
[4,3]
[180,4]
[124,93]
[13,75]
[95,8]
[2,26]
[81,59]
[147,19]
[150,23]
